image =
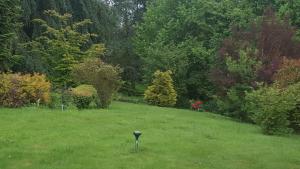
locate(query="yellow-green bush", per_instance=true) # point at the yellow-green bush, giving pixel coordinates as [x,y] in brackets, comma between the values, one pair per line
[161,92]
[17,90]
[292,92]
[83,95]
[275,110]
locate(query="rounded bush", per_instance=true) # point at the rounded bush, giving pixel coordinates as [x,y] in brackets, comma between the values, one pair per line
[83,95]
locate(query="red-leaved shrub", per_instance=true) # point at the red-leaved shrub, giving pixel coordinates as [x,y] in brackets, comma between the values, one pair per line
[197,105]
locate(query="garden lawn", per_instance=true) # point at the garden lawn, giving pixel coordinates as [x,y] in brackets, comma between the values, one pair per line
[39,138]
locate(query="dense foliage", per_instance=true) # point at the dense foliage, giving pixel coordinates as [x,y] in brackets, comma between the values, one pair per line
[176,36]
[103,18]
[161,92]
[104,77]
[83,95]
[9,12]
[264,46]
[17,90]
[276,110]
[289,73]
[59,49]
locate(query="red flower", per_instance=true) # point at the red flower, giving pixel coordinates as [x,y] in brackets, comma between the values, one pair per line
[197,105]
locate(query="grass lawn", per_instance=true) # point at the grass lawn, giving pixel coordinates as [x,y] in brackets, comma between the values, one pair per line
[33,138]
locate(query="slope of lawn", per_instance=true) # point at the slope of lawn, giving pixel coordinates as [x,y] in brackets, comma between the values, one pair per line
[38,138]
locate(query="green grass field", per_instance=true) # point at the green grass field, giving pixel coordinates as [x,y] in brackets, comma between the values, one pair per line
[37,138]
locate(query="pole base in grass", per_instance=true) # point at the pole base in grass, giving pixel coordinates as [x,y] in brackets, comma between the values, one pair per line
[137,134]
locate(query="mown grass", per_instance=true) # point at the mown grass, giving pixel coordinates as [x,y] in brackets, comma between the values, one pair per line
[37,138]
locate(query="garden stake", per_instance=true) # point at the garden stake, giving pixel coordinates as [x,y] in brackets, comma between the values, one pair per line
[137,134]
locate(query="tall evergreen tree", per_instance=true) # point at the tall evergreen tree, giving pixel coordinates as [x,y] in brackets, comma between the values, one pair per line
[65,46]
[9,13]
[104,22]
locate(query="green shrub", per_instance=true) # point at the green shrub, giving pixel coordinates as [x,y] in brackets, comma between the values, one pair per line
[183,101]
[83,95]
[232,104]
[104,77]
[55,100]
[236,77]
[17,90]
[275,108]
[293,96]
[82,101]
[270,109]
[294,118]
[210,106]
[161,92]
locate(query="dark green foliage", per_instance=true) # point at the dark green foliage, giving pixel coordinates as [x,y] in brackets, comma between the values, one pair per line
[131,76]
[294,118]
[293,94]
[61,48]
[9,15]
[290,9]
[129,13]
[95,10]
[32,55]
[82,102]
[243,69]
[55,100]
[232,104]
[183,36]
[113,22]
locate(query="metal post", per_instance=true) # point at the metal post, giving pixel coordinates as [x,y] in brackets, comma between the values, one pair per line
[136,145]
[137,134]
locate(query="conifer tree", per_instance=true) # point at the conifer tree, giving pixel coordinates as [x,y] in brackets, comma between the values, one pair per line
[9,12]
[64,46]
[161,92]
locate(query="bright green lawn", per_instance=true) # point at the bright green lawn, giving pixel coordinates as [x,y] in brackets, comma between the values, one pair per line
[172,139]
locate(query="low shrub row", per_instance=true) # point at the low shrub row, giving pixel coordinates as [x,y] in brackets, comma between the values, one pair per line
[17,90]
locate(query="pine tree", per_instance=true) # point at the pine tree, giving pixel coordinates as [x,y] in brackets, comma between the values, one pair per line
[161,92]
[9,12]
